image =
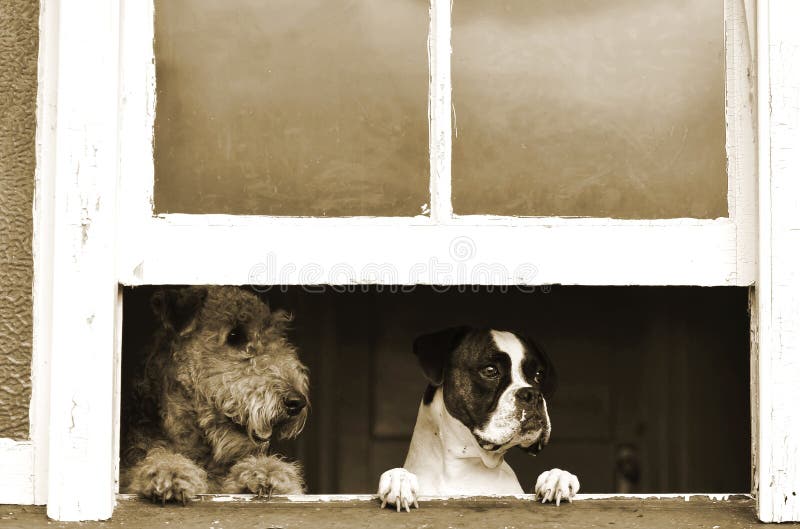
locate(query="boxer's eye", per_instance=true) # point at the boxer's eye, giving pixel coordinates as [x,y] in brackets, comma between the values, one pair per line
[537,378]
[236,337]
[489,372]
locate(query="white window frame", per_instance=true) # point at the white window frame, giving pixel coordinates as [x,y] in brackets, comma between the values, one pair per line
[94,230]
[226,249]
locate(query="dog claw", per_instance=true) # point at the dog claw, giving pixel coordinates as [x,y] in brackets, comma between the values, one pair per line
[163,499]
[556,485]
[398,488]
[264,491]
[183,497]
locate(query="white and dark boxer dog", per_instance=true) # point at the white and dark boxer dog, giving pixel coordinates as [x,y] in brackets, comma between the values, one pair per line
[488,392]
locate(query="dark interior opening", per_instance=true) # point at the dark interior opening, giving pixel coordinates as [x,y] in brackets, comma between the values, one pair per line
[653,393]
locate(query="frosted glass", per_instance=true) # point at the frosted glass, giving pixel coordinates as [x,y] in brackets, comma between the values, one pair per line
[308,107]
[610,108]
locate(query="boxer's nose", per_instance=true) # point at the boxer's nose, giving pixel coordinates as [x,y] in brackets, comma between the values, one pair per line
[294,403]
[526,395]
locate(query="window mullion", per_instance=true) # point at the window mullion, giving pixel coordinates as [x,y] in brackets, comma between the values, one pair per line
[439,108]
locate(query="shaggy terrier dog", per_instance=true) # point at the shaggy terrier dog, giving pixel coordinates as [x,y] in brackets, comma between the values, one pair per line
[221,379]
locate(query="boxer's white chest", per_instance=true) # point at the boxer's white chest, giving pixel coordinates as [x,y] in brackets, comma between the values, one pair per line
[448,461]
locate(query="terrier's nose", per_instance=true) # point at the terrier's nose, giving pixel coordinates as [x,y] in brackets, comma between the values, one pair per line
[294,403]
[526,395]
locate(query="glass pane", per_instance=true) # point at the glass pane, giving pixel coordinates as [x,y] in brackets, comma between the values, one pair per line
[307,107]
[609,108]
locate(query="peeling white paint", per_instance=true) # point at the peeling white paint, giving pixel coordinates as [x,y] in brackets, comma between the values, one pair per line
[776,376]
[439,105]
[17,462]
[740,142]
[75,282]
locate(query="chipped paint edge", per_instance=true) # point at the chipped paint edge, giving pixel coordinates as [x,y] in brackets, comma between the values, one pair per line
[79,174]
[776,422]
[17,462]
[43,243]
[440,135]
[740,132]
[334,498]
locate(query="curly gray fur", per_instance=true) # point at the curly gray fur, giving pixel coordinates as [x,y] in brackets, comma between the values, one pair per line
[211,396]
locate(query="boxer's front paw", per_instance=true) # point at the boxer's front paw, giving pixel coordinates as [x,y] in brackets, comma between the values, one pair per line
[264,476]
[556,485]
[398,487]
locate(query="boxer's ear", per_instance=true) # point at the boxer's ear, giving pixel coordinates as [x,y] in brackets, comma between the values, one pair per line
[177,308]
[433,350]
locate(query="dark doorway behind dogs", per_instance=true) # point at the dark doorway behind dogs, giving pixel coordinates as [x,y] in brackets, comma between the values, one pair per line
[653,393]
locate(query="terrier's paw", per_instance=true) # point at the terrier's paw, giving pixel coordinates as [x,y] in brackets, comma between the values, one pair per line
[166,476]
[264,476]
[398,487]
[556,485]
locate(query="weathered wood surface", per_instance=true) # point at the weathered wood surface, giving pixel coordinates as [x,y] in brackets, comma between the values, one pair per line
[737,512]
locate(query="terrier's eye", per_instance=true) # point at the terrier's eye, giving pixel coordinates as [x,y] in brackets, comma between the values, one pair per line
[489,372]
[237,336]
[537,378]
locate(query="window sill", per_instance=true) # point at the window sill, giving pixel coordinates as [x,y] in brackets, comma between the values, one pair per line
[244,511]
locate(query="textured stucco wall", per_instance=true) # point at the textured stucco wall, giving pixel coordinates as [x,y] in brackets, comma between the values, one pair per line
[19,33]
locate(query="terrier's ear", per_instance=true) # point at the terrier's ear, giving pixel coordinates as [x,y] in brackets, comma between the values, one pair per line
[280,319]
[177,308]
[433,351]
